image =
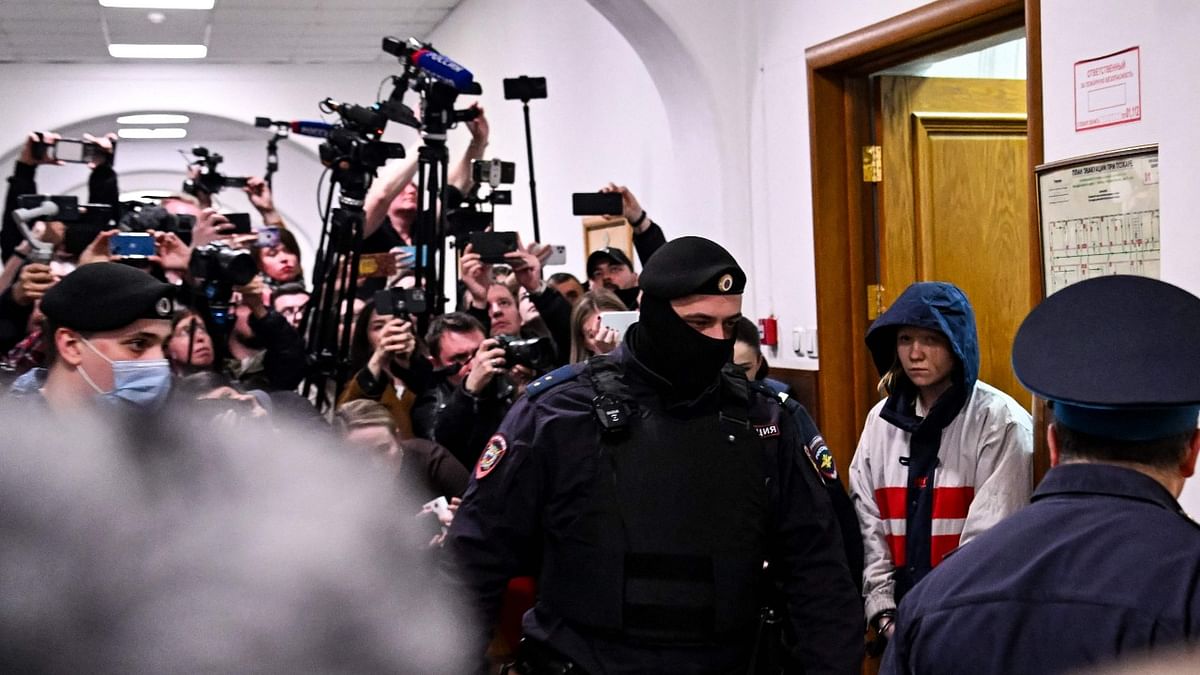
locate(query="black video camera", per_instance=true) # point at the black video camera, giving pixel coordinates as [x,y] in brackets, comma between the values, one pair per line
[210,180]
[139,216]
[537,354]
[395,301]
[219,262]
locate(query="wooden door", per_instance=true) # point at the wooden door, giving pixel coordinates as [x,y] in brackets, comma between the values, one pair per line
[953,203]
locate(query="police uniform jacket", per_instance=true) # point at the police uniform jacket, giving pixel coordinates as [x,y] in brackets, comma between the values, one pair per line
[1104,563]
[544,493]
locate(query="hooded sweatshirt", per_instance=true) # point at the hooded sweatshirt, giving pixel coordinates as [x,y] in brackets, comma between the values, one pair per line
[925,481]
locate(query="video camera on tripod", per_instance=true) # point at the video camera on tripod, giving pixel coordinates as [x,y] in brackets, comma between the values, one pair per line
[209,180]
[353,150]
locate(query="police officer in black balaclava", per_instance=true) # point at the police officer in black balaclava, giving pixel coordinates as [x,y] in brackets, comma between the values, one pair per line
[648,487]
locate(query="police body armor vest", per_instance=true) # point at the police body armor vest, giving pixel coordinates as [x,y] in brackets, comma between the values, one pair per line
[672,540]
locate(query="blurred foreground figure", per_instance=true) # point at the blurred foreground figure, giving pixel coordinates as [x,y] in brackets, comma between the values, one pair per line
[167,547]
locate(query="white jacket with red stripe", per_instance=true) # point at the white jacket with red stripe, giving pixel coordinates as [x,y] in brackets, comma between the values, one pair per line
[985,473]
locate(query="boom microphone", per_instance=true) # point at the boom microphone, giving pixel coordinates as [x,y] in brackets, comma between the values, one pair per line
[302,127]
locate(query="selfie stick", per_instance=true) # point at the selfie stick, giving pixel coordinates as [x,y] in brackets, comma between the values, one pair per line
[525,97]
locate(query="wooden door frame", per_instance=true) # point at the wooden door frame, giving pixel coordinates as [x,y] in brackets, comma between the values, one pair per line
[839,125]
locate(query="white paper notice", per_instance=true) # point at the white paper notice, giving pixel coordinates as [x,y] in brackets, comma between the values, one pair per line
[1108,90]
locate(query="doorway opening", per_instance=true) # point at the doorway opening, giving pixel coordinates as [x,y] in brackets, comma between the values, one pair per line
[922,220]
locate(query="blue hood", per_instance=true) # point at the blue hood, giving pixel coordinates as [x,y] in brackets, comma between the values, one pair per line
[935,305]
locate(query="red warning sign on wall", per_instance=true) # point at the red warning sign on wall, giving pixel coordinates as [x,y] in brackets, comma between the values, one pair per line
[1108,90]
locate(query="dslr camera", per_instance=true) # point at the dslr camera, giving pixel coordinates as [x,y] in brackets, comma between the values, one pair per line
[219,262]
[537,354]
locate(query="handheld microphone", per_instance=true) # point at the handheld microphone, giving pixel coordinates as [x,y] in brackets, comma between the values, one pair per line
[442,66]
[310,128]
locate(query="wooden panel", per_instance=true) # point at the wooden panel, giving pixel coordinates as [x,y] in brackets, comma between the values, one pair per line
[838,250]
[925,30]
[1033,103]
[954,202]
[971,207]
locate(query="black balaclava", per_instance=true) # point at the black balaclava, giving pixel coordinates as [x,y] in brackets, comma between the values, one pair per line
[682,355]
[664,342]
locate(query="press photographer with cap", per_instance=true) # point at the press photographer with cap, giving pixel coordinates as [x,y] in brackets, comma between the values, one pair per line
[649,486]
[1104,563]
[105,327]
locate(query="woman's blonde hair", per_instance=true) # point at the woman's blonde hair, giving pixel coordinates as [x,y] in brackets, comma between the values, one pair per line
[595,300]
[361,413]
[887,383]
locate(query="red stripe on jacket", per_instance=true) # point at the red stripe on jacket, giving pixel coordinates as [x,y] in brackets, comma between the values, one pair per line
[949,503]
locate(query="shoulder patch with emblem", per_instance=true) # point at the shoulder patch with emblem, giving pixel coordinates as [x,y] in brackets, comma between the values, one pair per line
[492,454]
[822,458]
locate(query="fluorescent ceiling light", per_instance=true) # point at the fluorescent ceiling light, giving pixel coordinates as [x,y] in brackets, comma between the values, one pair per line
[145,133]
[153,118]
[158,4]
[144,51]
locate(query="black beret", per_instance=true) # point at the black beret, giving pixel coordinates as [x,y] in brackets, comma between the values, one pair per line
[107,296]
[691,266]
[609,255]
[1119,356]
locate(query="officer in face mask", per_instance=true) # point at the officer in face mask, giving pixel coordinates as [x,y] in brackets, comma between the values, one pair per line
[648,487]
[106,324]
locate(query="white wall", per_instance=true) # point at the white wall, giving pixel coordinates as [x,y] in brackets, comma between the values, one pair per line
[603,120]
[1166,30]
[781,172]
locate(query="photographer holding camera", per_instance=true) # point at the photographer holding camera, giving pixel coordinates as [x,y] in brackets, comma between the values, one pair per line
[496,305]
[102,181]
[388,366]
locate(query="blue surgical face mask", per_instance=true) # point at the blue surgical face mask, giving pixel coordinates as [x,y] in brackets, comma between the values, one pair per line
[142,384]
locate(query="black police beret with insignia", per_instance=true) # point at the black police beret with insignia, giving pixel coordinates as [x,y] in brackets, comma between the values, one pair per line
[107,296]
[692,266]
[1119,356]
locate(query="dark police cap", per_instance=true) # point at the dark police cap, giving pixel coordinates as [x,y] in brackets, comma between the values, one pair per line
[107,296]
[1119,356]
[691,266]
[609,255]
